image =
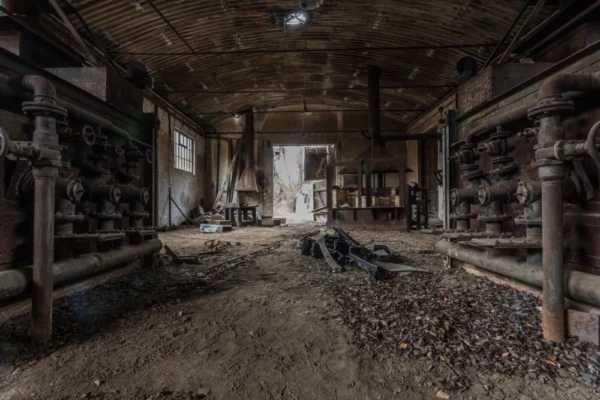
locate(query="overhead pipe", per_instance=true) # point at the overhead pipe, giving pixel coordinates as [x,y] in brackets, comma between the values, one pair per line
[16,282]
[107,125]
[9,87]
[578,285]
[474,135]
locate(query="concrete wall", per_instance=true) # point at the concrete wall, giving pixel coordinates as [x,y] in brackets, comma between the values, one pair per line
[187,189]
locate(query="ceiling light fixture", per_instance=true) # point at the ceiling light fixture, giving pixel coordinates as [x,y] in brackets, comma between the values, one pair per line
[295,19]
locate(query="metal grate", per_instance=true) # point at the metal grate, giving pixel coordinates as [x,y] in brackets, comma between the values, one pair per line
[183,150]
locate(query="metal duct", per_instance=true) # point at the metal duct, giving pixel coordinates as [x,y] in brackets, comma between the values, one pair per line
[247,181]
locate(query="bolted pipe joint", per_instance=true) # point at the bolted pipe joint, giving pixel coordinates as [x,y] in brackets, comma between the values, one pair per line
[136,194]
[463,196]
[504,192]
[99,192]
[70,189]
[528,192]
[467,154]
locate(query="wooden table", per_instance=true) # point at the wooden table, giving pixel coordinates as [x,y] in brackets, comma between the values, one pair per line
[230,214]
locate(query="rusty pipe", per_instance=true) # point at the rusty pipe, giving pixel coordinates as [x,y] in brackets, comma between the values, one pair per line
[503,119]
[578,285]
[472,136]
[107,125]
[550,108]
[42,88]
[16,282]
[504,191]
[43,251]
[11,87]
[558,84]
[45,171]
[553,320]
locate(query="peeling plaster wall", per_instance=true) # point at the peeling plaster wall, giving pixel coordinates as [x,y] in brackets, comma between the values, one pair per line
[187,189]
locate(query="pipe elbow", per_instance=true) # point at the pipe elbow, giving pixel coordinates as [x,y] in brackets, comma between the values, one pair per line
[41,87]
[558,84]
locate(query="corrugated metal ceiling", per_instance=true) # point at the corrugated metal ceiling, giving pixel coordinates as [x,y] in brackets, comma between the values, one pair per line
[198,84]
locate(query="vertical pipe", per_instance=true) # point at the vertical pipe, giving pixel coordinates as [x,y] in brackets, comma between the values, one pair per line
[218,161]
[552,173]
[170,222]
[360,183]
[329,171]
[553,311]
[374,106]
[45,172]
[43,250]
[155,133]
[369,189]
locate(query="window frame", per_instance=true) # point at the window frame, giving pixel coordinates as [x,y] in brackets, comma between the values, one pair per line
[184,152]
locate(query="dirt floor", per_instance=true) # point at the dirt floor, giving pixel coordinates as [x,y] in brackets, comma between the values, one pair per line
[279,325]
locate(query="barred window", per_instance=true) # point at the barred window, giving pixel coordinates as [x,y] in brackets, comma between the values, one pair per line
[185,157]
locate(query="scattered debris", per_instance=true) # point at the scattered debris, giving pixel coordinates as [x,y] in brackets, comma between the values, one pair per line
[340,249]
[457,320]
[208,228]
[180,259]
[442,395]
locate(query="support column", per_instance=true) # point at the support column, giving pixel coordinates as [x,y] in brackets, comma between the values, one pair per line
[369,191]
[374,106]
[360,183]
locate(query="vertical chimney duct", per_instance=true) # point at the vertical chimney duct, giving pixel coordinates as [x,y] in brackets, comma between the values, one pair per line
[247,181]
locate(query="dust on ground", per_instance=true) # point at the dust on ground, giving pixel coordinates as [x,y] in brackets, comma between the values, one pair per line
[270,326]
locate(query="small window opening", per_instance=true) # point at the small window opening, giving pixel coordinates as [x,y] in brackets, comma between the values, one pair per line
[183,151]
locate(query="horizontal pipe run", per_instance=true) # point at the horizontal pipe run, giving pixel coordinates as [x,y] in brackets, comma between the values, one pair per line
[80,113]
[556,85]
[578,285]
[15,282]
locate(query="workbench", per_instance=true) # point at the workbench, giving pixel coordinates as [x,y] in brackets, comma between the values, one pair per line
[241,212]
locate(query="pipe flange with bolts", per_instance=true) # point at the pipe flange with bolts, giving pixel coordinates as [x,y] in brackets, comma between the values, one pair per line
[42,107]
[551,106]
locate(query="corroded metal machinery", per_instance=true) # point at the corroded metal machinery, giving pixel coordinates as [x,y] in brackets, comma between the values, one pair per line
[511,218]
[75,199]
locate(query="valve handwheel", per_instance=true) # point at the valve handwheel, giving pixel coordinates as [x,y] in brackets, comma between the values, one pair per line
[149,156]
[88,134]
